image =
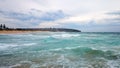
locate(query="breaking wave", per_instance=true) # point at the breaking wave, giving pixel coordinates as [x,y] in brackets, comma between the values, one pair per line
[60,50]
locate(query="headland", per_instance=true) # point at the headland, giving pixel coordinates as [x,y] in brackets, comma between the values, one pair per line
[6,30]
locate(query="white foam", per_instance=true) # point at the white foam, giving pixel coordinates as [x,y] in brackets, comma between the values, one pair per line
[26,62]
[6,46]
[29,44]
[20,64]
[58,49]
[16,65]
[114,63]
[69,48]
[65,35]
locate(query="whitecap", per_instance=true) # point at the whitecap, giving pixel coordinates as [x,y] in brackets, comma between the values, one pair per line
[58,49]
[65,35]
[29,44]
[4,46]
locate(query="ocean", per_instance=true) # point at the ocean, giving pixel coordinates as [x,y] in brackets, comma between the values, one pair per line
[60,50]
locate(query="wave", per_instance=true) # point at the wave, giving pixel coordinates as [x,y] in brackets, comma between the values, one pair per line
[63,61]
[3,46]
[29,44]
[65,35]
[60,50]
[89,52]
[7,46]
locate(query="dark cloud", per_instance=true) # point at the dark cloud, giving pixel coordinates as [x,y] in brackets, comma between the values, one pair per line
[114,13]
[115,20]
[31,19]
[44,16]
[15,15]
[51,16]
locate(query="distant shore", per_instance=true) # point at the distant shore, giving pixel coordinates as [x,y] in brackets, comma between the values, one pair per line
[17,31]
[26,30]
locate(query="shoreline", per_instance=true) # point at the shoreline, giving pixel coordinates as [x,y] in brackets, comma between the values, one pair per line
[17,31]
[29,30]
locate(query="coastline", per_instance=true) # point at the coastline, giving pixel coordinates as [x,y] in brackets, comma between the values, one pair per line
[29,30]
[17,31]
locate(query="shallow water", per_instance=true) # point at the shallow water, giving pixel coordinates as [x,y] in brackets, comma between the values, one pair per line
[60,50]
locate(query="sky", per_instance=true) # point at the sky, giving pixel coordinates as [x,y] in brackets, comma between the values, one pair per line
[84,15]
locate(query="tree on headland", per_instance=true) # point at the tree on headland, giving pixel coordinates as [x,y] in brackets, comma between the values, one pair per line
[4,27]
[0,25]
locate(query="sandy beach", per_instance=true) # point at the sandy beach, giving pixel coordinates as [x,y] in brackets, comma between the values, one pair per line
[17,31]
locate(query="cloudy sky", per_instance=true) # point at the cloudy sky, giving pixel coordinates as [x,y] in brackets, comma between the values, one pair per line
[86,15]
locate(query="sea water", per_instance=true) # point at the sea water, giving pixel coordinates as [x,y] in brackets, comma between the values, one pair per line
[60,50]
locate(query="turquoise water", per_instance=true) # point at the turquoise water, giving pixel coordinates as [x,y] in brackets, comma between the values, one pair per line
[60,50]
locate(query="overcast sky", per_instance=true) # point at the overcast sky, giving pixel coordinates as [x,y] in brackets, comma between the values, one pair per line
[86,15]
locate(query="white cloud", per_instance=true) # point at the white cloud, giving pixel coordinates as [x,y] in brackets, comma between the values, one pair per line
[84,6]
[20,5]
[96,18]
[68,6]
[81,12]
[49,25]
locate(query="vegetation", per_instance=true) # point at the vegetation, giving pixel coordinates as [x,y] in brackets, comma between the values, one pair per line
[3,27]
